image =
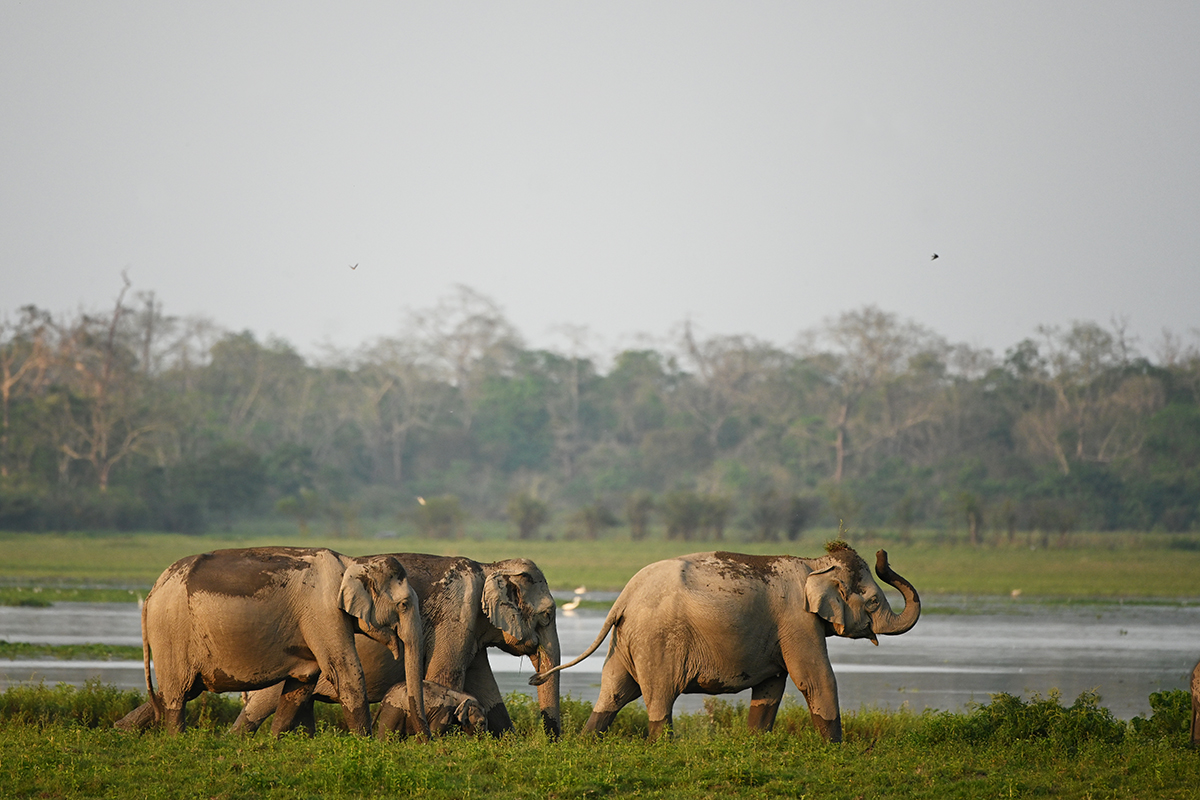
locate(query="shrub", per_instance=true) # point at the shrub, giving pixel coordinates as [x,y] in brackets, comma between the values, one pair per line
[1008,718]
[1170,717]
[92,705]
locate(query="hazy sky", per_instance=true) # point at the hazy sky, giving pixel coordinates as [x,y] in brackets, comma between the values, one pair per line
[752,167]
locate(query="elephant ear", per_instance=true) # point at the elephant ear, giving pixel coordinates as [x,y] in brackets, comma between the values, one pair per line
[824,595]
[363,592]
[502,604]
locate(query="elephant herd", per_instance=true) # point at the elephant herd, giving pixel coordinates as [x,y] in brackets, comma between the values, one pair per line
[288,626]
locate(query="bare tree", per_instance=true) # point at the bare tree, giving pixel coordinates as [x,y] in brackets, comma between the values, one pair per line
[1092,405]
[401,393]
[470,338]
[104,416]
[869,356]
[24,358]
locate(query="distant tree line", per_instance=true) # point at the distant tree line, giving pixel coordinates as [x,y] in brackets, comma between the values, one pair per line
[130,418]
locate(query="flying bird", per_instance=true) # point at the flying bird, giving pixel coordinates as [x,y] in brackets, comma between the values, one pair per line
[356,265]
[935,255]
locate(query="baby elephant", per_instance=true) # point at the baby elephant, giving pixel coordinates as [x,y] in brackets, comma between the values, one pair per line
[717,623]
[446,708]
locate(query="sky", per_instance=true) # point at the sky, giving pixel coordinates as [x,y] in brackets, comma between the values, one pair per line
[606,171]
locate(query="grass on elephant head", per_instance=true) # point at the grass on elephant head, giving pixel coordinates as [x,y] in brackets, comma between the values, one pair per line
[58,742]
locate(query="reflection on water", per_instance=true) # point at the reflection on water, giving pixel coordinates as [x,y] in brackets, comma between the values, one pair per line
[947,661]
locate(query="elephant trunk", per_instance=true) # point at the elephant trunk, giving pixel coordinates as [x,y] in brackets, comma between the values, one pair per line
[414,672]
[548,655]
[886,622]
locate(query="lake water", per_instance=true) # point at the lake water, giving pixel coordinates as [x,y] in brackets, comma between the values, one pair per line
[959,653]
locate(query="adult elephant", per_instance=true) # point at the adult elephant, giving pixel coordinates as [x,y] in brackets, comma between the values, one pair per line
[468,607]
[716,623]
[238,620]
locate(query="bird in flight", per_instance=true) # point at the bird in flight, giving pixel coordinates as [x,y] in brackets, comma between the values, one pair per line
[356,265]
[935,255]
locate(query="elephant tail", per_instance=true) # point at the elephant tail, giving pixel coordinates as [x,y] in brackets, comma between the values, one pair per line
[614,615]
[151,695]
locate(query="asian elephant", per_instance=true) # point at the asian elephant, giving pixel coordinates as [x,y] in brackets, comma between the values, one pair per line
[446,708]
[238,620]
[716,623]
[467,607]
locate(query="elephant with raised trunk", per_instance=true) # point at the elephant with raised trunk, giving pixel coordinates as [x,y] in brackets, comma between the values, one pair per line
[240,620]
[717,623]
[467,608]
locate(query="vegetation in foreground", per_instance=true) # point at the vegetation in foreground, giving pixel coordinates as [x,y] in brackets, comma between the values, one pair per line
[58,741]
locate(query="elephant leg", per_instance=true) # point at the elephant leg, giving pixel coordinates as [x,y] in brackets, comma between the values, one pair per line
[660,726]
[259,705]
[481,684]
[659,703]
[351,685]
[292,711]
[140,719]
[175,705]
[617,689]
[813,675]
[764,703]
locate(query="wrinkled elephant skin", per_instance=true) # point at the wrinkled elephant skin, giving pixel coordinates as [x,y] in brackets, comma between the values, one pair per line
[241,620]
[467,607]
[718,623]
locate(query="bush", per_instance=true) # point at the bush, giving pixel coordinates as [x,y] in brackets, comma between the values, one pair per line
[92,705]
[1170,717]
[1009,718]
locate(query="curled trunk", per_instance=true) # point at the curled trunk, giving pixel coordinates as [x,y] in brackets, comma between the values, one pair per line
[886,622]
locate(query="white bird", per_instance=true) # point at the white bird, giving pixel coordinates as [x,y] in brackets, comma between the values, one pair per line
[574,604]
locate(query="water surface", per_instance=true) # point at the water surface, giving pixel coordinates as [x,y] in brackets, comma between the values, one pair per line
[959,653]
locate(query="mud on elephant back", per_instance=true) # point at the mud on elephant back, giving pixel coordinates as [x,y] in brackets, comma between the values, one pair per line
[247,619]
[467,607]
[717,623]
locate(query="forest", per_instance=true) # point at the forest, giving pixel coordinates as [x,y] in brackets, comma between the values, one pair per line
[128,418]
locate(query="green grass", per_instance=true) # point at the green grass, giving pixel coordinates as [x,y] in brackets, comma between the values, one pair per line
[71,652]
[58,742]
[114,567]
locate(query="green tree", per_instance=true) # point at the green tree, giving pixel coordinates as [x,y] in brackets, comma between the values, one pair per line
[528,513]
[639,506]
[439,517]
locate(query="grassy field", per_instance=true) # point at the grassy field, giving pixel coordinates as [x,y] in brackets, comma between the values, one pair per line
[59,743]
[116,567]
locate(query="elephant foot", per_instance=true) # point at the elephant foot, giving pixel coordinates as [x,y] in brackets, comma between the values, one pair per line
[498,720]
[140,719]
[599,721]
[551,725]
[831,729]
[659,727]
[762,715]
